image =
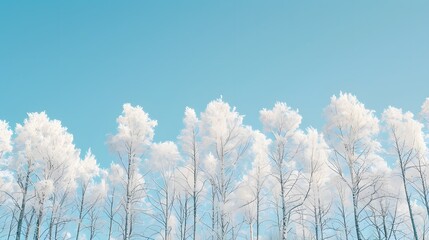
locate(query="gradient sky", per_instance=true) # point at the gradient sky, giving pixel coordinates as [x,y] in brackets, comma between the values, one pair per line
[81,60]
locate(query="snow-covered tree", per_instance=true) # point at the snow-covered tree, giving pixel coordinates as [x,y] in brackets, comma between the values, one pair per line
[46,159]
[96,200]
[7,183]
[134,136]
[163,164]
[290,189]
[351,131]
[315,157]
[227,138]
[7,186]
[190,142]
[407,138]
[251,193]
[114,180]
[90,192]
[183,207]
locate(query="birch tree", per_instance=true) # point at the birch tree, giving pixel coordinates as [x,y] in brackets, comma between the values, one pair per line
[115,179]
[163,163]
[190,142]
[183,208]
[8,200]
[351,131]
[45,159]
[252,191]
[407,139]
[87,171]
[315,156]
[282,123]
[134,136]
[7,177]
[224,135]
[210,166]
[96,200]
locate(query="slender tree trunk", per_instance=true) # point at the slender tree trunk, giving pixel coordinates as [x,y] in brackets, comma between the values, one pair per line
[284,217]
[384,227]
[38,223]
[355,215]
[131,225]
[194,194]
[320,219]
[424,188]
[186,218]
[213,210]
[167,203]
[111,214]
[51,220]
[23,203]
[82,201]
[355,200]
[128,197]
[376,225]
[316,222]
[223,196]
[27,232]
[10,226]
[57,226]
[280,158]
[257,215]
[407,196]
[344,217]
[93,226]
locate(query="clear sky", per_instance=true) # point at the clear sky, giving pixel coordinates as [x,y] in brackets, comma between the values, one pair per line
[81,60]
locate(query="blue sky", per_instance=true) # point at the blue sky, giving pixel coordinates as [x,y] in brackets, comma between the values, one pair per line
[81,60]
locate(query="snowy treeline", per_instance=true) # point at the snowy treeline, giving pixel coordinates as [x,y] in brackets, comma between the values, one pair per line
[363,176]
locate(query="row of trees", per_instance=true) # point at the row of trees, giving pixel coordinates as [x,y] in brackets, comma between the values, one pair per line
[362,178]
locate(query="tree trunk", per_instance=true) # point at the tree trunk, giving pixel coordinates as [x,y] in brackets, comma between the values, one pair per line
[355,215]
[355,200]
[407,196]
[257,216]
[166,215]
[316,222]
[424,188]
[213,210]
[194,194]
[223,196]
[128,197]
[23,203]
[111,214]
[282,195]
[51,221]
[10,226]
[186,217]
[27,232]
[38,223]
[320,219]
[82,201]
[384,227]
[410,210]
